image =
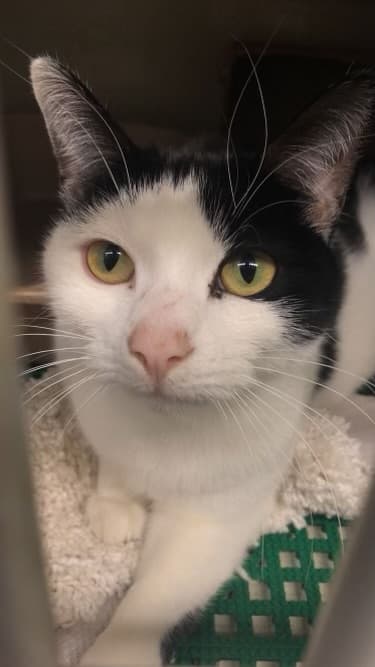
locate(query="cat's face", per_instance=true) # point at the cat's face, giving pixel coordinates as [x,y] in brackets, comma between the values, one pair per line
[178,320]
[167,326]
[182,282]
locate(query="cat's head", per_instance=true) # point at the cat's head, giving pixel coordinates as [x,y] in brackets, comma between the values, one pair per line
[186,272]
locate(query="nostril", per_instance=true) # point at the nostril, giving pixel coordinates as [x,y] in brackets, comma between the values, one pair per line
[173,361]
[177,358]
[141,357]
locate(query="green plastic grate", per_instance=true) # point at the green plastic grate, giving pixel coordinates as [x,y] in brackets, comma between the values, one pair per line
[262,618]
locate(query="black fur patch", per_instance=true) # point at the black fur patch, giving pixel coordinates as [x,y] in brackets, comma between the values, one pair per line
[327,358]
[309,280]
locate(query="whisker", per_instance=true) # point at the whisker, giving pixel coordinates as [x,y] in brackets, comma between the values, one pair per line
[47,379]
[317,384]
[235,419]
[295,463]
[271,205]
[91,138]
[52,329]
[234,113]
[79,409]
[264,112]
[241,430]
[85,130]
[110,130]
[219,407]
[15,46]
[236,107]
[300,151]
[307,445]
[246,407]
[34,317]
[333,367]
[290,399]
[13,71]
[20,335]
[57,399]
[41,367]
[237,166]
[52,349]
[52,384]
[266,429]
[254,418]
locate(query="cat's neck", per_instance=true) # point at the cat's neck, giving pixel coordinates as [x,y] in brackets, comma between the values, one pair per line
[189,448]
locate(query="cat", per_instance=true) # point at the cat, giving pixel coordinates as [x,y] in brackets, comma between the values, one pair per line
[212,295]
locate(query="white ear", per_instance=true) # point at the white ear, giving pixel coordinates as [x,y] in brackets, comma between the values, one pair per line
[319,153]
[85,141]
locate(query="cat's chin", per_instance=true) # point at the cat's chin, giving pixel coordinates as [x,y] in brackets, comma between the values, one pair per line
[166,400]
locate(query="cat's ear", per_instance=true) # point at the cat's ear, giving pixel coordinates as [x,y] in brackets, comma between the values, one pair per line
[85,141]
[317,156]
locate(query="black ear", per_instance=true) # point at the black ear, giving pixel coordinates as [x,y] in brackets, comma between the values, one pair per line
[85,141]
[319,153]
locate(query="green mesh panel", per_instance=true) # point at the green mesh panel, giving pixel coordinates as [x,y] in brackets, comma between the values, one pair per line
[264,621]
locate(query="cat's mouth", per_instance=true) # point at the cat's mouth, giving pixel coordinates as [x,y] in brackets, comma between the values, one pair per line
[173,393]
[167,392]
[160,399]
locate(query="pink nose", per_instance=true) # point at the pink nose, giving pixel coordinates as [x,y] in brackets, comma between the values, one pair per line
[159,348]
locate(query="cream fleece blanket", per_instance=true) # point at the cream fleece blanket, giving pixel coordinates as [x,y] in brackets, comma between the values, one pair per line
[87,578]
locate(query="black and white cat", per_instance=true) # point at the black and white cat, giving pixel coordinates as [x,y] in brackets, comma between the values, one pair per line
[209,295]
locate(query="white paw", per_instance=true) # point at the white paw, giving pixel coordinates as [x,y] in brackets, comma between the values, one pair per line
[116,520]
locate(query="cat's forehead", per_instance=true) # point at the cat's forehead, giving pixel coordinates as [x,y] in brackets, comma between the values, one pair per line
[163,217]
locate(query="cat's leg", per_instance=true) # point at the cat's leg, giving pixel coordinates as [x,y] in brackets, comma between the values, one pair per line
[186,557]
[113,514]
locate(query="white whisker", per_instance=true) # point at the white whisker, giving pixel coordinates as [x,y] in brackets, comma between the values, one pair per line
[52,349]
[236,107]
[295,463]
[53,330]
[84,129]
[271,205]
[318,384]
[110,130]
[52,384]
[303,439]
[80,407]
[266,131]
[41,367]
[360,378]
[57,399]
[47,379]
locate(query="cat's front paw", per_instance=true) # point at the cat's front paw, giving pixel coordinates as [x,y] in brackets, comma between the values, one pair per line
[116,520]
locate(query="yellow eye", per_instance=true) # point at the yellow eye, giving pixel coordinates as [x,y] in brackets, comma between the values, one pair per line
[248,276]
[109,263]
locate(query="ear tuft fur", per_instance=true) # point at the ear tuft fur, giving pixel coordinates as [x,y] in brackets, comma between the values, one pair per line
[319,153]
[84,138]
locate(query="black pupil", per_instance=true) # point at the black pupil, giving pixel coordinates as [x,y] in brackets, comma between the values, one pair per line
[248,269]
[111,256]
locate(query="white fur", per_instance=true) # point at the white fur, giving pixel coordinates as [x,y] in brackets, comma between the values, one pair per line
[206,455]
